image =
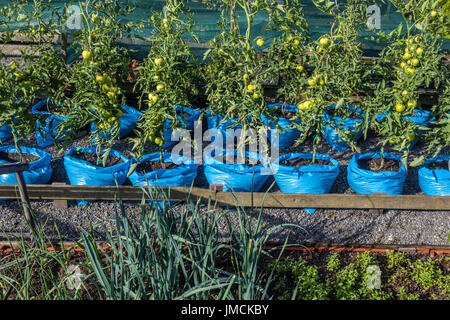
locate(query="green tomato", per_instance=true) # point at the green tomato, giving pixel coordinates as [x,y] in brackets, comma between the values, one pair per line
[86,54]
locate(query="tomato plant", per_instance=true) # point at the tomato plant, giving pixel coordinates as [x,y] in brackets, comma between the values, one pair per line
[97,79]
[431,16]
[286,57]
[409,61]
[41,70]
[438,138]
[336,76]
[235,69]
[166,76]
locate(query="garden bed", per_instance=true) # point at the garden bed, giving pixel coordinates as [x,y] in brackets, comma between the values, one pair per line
[323,275]
[344,275]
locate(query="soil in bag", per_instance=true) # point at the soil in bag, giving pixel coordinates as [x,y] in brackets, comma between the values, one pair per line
[438,165]
[96,161]
[53,108]
[247,161]
[300,162]
[376,164]
[149,166]
[15,157]
[183,114]
[334,113]
[281,113]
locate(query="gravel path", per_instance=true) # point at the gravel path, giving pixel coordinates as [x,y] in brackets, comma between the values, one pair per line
[332,226]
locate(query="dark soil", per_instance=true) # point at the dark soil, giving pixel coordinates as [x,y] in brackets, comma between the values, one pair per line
[53,108]
[438,165]
[50,266]
[335,112]
[281,113]
[300,162]
[247,161]
[14,157]
[94,160]
[375,164]
[183,114]
[149,166]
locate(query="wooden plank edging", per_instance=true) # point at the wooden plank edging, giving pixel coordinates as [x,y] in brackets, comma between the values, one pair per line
[246,199]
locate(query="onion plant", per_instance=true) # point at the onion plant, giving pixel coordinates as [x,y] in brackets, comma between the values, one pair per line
[169,255]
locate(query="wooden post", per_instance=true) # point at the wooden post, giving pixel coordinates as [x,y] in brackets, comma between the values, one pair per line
[216,188]
[61,203]
[377,211]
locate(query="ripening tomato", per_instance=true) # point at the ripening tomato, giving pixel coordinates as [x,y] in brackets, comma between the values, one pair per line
[407,56]
[410,70]
[311,82]
[412,104]
[158,141]
[154,98]
[324,41]
[100,79]
[86,54]
[414,62]
[399,107]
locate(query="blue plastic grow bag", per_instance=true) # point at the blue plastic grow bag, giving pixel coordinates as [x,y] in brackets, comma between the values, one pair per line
[39,171]
[5,133]
[181,176]
[435,182]
[352,125]
[235,177]
[218,123]
[367,182]
[286,137]
[313,178]
[45,134]
[194,114]
[83,173]
[128,121]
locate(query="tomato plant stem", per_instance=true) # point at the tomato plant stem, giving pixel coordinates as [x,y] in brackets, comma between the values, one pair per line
[16,144]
